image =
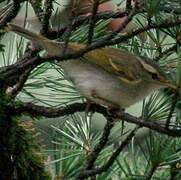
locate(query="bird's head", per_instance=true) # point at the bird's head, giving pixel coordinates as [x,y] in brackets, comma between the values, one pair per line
[152,73]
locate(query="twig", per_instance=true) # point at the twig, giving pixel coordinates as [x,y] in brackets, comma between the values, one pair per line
[92,22]
[151,172]
[18,87]
[163,24]
[49,112]
[97,17]
[12,71]
[166,52]
[11,74]
[111,160]
[151,125]
[83,19]
[172,108]
[106,41]
[46,17]
[68,32]
[36,5]
[52,112]
[174,171]
[98,148]
[128,5]
[52,34]
[24,76]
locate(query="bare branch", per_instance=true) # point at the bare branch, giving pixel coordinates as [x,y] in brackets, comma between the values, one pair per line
[10,74]
[36,5]
[24,76]
[172,108]
[46,16]
[163,24]
[19,86]
[92,22]
[128,5]
[49,112]
[151,125]
[151,172]
[112,158]
[12,71]
[52,34]
[166,52]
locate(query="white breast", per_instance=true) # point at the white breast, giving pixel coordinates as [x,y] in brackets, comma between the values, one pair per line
[110,91]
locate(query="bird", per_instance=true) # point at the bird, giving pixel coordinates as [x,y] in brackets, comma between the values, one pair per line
[106,76]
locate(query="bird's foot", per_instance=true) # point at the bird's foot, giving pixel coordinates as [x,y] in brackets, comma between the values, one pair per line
[113,111]
[89,103]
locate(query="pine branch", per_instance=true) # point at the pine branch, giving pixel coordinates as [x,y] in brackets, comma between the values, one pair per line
[151,172]
[128,5]
[36,110]
[174,102]
[16,89]
[92,22]
[162,25]
[166,52]
[11,72]
[36,5]
[52,34]
[98,148]
[18,73]
[46,16]
[50,112]
[112,158]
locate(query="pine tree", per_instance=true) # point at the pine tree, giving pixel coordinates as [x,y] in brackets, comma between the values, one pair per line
[46,125]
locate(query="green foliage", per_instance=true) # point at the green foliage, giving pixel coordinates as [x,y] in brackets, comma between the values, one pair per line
[71,140]
[74,139]
[1,35]
[2,1]
[152,7]
[155,151]
[156,107]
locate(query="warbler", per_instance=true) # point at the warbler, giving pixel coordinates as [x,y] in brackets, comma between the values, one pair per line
[106,76]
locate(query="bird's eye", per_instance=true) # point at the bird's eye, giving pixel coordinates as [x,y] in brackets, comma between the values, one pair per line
[154,76]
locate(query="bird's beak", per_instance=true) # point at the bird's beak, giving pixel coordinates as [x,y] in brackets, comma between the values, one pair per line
[169,84]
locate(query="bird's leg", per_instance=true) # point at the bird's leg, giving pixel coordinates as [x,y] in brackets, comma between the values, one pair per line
[114,112]
[89,104]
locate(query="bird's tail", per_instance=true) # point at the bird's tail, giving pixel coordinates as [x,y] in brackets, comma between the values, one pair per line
[52,48]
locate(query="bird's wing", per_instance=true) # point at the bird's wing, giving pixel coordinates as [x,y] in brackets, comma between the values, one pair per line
[118,62]
[115,61]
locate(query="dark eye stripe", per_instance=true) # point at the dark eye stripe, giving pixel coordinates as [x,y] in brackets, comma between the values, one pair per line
[154,76]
